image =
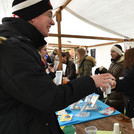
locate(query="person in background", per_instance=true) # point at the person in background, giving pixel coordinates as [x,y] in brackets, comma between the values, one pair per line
[55,59]
[28,96]
[43,52]
[126,85]
[85,63]
[116,100]
[48,59]
[70,71]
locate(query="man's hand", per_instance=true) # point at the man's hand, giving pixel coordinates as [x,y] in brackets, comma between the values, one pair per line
[77,71]
[102,80]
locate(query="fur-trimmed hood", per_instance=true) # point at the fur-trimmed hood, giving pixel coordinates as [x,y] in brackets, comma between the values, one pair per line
[121,59]
[91,59]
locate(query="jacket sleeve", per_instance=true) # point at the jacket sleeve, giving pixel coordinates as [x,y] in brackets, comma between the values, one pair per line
[24,80]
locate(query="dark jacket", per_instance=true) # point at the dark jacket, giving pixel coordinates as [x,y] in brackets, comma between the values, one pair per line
[116,100]
[70,72]
[116,68]
[28,96]
[85,67]
[126,86]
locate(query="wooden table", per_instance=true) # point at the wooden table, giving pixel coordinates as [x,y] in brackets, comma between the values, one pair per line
[107,124]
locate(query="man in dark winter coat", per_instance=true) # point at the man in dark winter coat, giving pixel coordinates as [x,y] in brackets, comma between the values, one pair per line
[28,96]
[116,100]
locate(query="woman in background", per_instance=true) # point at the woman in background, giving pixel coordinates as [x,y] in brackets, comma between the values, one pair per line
[56,59]
[85,63]
[43,52]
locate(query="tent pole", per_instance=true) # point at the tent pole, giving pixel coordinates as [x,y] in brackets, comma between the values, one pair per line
[77,46]
[63,45]
[58,19]
[86,37]
[62,7]
[109,43]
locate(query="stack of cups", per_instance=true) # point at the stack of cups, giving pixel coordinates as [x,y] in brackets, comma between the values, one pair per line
[116,128]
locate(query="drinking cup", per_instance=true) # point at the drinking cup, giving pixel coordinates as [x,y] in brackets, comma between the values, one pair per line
[91,130]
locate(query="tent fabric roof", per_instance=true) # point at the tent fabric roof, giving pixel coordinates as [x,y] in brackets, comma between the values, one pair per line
[116,17]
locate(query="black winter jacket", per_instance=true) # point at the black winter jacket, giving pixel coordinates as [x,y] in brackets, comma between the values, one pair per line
[70,72]
[28,96]
[126,86]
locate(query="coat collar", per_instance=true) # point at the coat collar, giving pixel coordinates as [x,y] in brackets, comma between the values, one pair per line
[88,58]
[23,28]
[121,59]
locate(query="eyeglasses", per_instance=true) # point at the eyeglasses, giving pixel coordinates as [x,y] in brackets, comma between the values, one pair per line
[50,15]
[45,49]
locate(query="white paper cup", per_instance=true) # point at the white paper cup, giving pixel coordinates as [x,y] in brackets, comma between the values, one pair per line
[91,130]
[116,128]
[133,123]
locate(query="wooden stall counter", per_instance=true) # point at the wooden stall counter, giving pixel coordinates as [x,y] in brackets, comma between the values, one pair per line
[107,124]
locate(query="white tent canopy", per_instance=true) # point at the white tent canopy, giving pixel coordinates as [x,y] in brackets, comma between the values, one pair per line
[115,16]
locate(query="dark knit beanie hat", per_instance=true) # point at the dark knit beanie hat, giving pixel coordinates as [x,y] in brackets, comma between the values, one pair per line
[29,9]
